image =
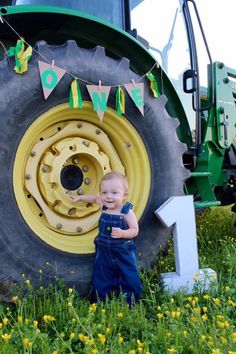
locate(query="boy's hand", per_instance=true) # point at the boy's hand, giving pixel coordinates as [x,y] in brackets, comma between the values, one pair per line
[116,232]
[74,198]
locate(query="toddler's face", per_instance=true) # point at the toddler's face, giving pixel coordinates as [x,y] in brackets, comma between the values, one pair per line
[113,193]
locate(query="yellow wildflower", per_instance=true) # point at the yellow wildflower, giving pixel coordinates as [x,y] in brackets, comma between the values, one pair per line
[168,334]
[206,297]
[81,337]
[69,304]
[70,290]
[185,333]
[6,337]
[26,341]
[15,299]
[102,338]
[1,325]
[227,288]
[171,350]
[140,349]
[159,315]
[132,351]
[103,311]
[35,324]
[205,309]
[203,338]
[108,330]
[20,319]
[94,351]
[92,308]
[72,335]
[234,337]
[120,340]
[196,310]
[26,321]
[216,301]
[216,351]
[55,352]
[5,321]
[223,340]
[230,352]
[204,317]
[27,282]
[120,315]
[139,343]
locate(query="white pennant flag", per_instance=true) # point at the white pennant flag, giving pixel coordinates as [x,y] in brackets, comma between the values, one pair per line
[136,92]
[99,96]
[50,76]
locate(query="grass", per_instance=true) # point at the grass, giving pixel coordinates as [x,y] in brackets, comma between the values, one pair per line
[55,320]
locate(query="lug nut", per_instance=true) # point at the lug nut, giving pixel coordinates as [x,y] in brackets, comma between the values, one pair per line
[85,168]
[80,191]
[45,169]
[72,211]
[58,226]
[79,125]
[98,131]
[33,153]
[79,229]
[75,161]
[28,176]
[87,180]
[86,143]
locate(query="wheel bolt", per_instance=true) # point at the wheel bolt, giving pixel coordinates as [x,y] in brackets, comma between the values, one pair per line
[58,226]
[98,131]
[33,153]
[79,229]
[28,176]
[79,125]
[72,211]
[45,169]
[87,180]
[86,143]
[80,191]
[85,168]
[75,161]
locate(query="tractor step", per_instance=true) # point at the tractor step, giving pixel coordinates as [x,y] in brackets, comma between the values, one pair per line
[203,205]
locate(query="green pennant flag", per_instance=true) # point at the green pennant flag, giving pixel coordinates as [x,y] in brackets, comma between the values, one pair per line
[153,84]
[120,101]
[75,99]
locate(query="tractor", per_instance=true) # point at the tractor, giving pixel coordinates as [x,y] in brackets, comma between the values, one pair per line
[49,146]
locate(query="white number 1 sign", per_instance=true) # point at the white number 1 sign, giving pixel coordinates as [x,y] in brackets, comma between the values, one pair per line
[179,212]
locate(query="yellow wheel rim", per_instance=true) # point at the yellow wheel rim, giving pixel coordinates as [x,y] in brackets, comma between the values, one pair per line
[63,140]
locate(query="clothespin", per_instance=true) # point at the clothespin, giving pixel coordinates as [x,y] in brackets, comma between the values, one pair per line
[53,63]
[99,84]
[1,19]
[133,82]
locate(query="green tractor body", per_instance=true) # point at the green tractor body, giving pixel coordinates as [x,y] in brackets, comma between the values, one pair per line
[48,147]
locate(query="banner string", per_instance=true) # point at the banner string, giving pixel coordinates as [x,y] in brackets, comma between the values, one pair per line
[3,20]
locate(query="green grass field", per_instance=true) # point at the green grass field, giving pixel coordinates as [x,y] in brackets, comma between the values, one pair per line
[56,320]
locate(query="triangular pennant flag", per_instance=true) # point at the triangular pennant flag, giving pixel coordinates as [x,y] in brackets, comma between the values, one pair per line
[75,99]
[50,76]
[136,92]
[99,96]
[120,101]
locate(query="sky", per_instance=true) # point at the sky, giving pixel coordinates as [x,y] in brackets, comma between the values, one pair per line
[218,20]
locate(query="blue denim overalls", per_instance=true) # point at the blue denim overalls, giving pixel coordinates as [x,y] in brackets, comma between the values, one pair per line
[115,266]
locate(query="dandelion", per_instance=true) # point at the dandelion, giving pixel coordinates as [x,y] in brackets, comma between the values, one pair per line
[6,337]
[204,317]
[27,282]
[108,330]
[5,321]
[26,341]
[168,334]
[120,340]
[216,351]
[234,337]
[223,340]
[92,308]
[1,325]
[196,276]
[26,321]
[55,352]
[227,289]
[94,351]
[196,310]
[132,351]
[70,290]
[205,309]
[139,343]
[216,301]
[20,319]
[160,315]
[81,337]
[102,338]
[120,315]
[171,350]
[15,299]
[230,352]
[103,311]
[185,333]
[72,335]
[35,324]
[206,297]
[203,338]
[69,304]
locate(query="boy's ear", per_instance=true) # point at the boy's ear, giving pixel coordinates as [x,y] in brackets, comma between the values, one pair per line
[126,195]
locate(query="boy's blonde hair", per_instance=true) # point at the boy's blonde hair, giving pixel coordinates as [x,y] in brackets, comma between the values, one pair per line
[110,175]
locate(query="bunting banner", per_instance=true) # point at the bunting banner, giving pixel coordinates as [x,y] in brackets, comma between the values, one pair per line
[22,56]
[136,92]
[50,76]
[99,96]
[75,98]
[120,101]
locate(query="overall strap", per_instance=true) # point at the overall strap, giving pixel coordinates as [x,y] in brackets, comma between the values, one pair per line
[126,208]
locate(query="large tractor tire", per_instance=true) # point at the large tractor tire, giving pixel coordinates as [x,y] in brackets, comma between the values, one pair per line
[46,149]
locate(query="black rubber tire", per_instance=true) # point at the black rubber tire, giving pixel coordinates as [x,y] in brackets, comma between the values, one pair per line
[21,102]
